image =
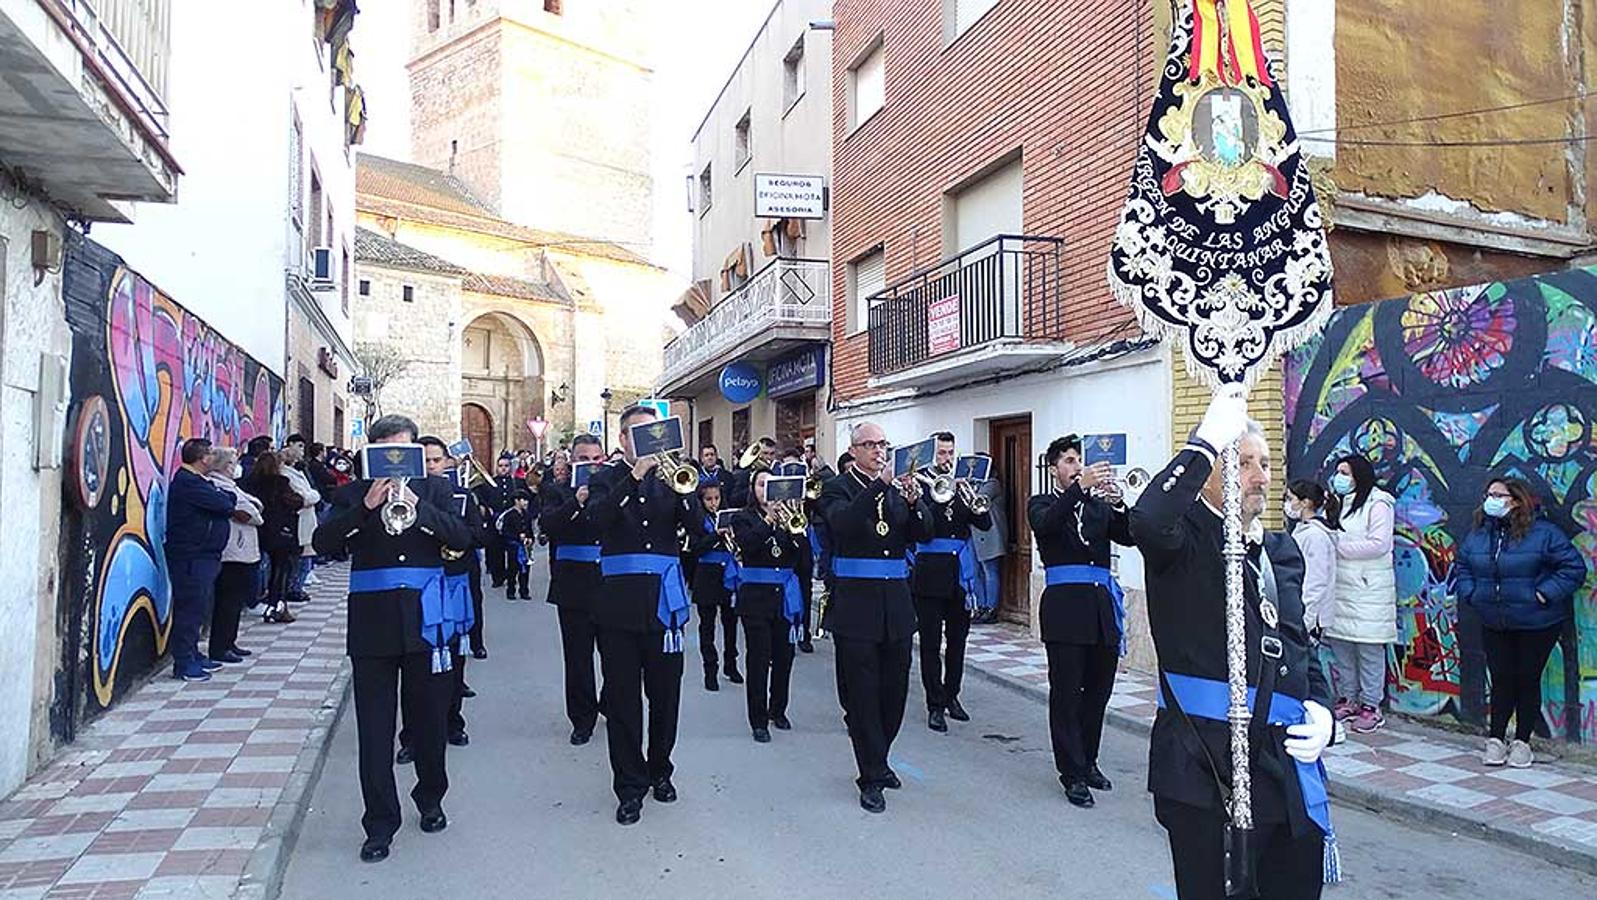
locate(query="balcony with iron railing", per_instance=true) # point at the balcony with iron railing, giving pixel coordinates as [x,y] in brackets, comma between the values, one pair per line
[783,306]
[976,312]
[83,114]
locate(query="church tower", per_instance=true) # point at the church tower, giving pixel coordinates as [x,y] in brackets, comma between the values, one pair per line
[542,107]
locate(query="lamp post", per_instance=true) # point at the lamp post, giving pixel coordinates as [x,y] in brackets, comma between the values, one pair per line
[605,397]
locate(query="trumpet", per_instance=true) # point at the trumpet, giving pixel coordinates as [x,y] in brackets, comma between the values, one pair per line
[939,485]
[908,486]
[788,515]
[812,486]
[683,477]
[398,513]
[978,504]
[731,541]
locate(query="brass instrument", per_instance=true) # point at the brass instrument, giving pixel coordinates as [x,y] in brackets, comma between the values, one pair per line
[450,554]
[820,616]
[939,484]
[472,474]
[1136,481]
[731,542]
[812,486]
[681,476]
[908,486]
[398,513]
[978,504]
[789,515]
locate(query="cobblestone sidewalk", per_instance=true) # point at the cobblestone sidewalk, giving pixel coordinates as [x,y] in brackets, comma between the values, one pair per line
[1549,809]
[186,790]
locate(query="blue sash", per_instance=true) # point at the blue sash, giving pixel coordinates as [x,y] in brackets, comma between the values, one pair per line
[1101,577]
[582,553]
[1207,698]
[672,610]
[792,596]
[870,569]
[729,569]
[437,628]
[967,563]
[521,552]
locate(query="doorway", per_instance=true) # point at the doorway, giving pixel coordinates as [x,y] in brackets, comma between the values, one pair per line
[1010,443]
[477,426]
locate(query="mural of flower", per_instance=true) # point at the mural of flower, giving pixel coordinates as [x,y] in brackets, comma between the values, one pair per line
[1457,338]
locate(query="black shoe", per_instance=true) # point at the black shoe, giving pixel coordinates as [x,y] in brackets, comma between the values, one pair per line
[579,737]
[710,682]
[499,583]
[780,722]
[891,782]
[629,812]
[241,652]
[872,801]
[434,822]
[1076,792]
[228,657]
[806,646]
[510,595]
[459,739]
[1098,781]
[479,653]
[665,791]
[762,735]
[957,712]
[525,595]
[466,691]
[374,851]
[734,676]
[405,756]
[935,720]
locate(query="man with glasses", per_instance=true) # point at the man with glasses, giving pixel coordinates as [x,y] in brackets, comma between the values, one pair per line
[873,520]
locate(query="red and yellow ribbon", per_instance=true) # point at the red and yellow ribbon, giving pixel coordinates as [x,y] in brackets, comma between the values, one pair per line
[1228,47]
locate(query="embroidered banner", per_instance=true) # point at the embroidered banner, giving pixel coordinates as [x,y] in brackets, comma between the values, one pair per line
[1221,241]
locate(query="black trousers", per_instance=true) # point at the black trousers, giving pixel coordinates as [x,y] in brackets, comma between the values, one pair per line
[1289,868]
[1516,660]
[285,562]
[455,722]
[1081,678]
[938,616]
[234,585]
[873,678]
[578,640]
[635,664]
[806,574]
[729,631]
[770,672]
[499,560]
[474,577]
[379,680]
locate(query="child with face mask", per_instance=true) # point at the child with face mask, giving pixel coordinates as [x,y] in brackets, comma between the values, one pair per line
[1312,514]
[1364,610]
[1519,572]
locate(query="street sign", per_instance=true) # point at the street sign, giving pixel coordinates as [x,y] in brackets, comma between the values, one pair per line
[596,427]
[537,427]
[357,428]
[790,196]
[662,408]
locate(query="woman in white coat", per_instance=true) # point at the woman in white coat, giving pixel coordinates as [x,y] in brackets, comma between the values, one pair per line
[1364,607]
[293,456]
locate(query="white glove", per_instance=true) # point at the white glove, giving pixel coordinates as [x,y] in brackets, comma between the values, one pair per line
[1307,741]
[1226,419]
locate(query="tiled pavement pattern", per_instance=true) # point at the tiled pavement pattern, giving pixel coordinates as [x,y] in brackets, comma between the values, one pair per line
[1549,809]
[185,790]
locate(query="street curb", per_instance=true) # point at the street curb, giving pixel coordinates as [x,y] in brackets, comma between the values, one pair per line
[263,876]
[1545,847]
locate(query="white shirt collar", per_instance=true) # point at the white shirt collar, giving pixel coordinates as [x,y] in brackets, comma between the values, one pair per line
[1255,531]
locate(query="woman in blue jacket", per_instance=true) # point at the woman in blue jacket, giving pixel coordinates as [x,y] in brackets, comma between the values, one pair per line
[1520,573]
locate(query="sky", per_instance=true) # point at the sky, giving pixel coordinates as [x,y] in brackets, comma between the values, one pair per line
[696,45]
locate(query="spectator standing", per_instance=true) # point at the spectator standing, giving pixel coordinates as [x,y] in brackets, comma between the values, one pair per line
[1364,609]
[1520,573]
[197,514]
[235,584]
[991,544]
[279,532]
[293,461]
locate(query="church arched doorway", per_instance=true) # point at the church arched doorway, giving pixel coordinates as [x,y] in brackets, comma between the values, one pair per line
[477,426]
[501,371]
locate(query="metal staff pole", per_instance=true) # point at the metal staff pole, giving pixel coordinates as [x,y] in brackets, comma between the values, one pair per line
[1236,630]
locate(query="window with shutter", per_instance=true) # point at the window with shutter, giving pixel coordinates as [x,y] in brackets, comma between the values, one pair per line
[959,15]
[868,91]
[868,277]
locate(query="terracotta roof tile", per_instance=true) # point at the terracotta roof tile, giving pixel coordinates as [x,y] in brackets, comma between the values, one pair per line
[375,248]
[505,286]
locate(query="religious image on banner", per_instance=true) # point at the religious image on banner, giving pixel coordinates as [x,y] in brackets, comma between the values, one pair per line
[1221,241]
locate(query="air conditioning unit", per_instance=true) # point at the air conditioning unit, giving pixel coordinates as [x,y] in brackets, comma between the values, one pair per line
[321,269]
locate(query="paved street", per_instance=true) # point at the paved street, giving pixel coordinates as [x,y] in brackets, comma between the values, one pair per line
[980,812]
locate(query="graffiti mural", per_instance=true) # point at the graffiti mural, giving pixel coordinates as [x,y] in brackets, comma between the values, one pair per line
[1441,390]
[156,375]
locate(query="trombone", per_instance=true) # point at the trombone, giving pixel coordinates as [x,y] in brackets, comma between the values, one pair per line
[473,475]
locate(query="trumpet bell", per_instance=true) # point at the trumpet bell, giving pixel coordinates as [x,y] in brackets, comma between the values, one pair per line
[682,477]
[398,514]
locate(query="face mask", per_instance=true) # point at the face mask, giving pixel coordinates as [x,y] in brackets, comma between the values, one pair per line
[1496,507]
[238,471]
[1292,513]
[1342,484]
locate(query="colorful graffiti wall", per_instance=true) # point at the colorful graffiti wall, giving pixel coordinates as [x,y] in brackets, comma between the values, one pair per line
[146,376]
[1441,390]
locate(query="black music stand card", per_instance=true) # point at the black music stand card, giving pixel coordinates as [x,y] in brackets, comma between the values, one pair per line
[1103,448]
[914,457]
[784,487]
[658,437]
[723,519]
[460,448]
[582,473]
[393,461]
[973,468]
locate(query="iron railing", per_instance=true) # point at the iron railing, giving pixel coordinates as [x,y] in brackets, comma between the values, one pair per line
[1008,286]
[787,292]
[132,40]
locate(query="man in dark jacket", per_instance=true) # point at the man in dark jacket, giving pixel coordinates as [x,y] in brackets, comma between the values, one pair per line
[1178,526]
[197,514]
[574,582]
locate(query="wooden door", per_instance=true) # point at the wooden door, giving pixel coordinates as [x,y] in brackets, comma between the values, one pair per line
[478,427]
[1011,449]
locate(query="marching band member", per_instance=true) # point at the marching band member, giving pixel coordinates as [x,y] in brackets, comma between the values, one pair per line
[498,496]
[574,586]
[515,527]
[944,582]
[1178,526]
[640,614]
[770,605]
[391,635]
[711,561]
[1082,613]
[873,521]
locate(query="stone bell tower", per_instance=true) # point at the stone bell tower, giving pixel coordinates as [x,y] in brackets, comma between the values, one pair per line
[541,107]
